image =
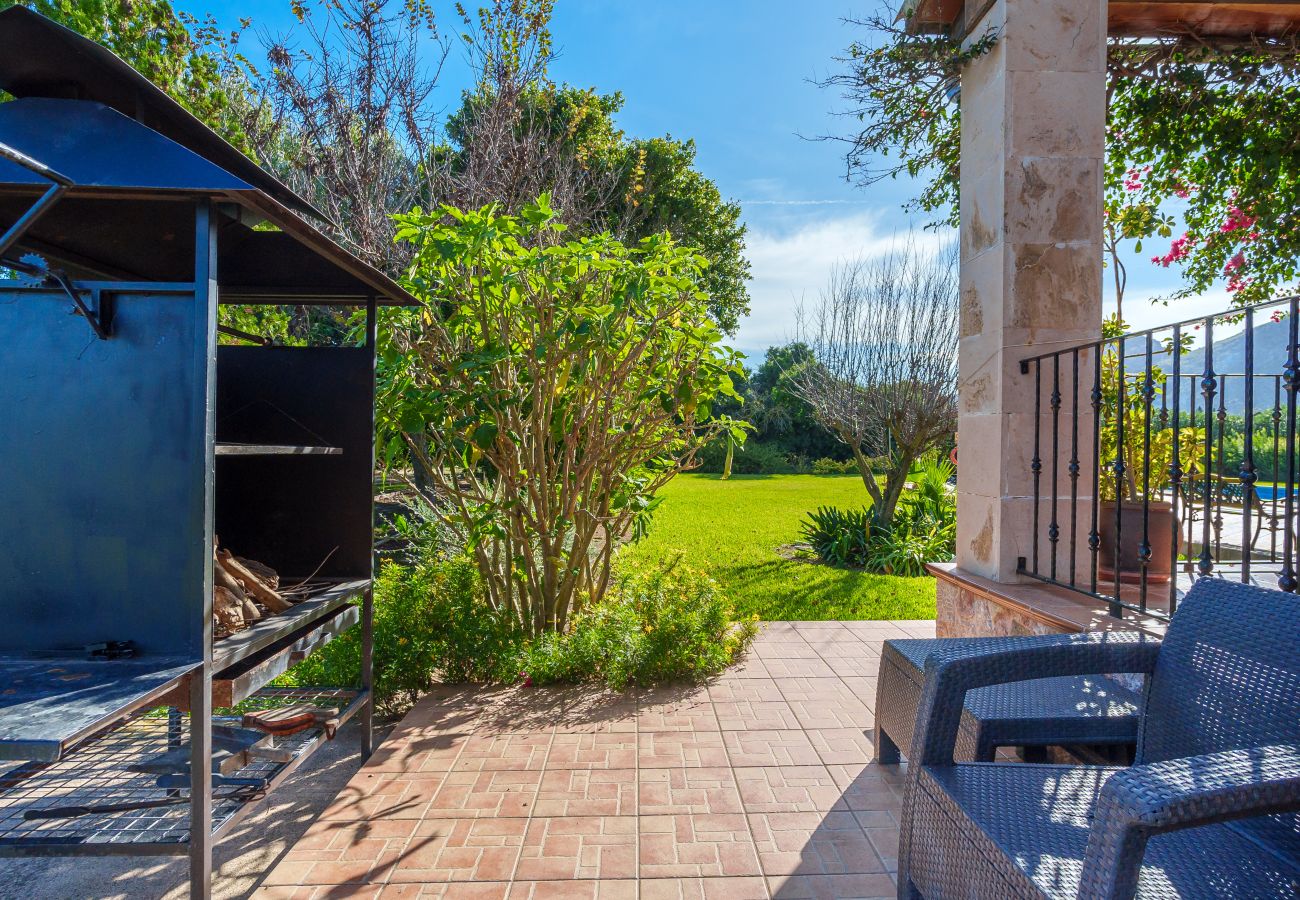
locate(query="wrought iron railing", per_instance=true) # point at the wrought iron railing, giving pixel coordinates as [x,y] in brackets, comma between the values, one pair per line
[1168,455]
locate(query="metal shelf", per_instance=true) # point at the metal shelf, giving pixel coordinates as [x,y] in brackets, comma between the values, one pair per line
[50,703]
[323,603]
[227,448]
[96,774]
[250,674]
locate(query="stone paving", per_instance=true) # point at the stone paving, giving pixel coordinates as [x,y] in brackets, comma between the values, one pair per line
[758,784]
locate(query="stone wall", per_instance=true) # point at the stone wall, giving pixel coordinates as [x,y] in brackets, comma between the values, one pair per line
[963,612]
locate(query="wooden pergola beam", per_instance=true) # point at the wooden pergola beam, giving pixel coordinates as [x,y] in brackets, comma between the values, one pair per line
[1208,19]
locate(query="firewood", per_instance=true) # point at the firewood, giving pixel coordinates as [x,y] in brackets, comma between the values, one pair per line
[261,593]
[222,578]
[251,612]
[264,573]
[228,608]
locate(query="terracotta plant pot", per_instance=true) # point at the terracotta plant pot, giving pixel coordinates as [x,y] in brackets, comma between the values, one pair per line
[1161,533]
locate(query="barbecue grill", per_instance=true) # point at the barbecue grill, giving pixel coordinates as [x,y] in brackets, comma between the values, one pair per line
[129,439]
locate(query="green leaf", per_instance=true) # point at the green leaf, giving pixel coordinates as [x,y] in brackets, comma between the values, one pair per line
[485,435]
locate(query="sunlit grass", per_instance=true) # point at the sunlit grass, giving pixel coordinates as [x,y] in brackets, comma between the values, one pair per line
[733,529]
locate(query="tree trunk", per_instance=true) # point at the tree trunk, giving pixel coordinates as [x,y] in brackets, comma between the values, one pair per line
[419,476]
[731,452]
[894,485]
[868,477]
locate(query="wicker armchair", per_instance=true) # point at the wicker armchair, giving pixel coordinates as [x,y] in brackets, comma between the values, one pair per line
[1210,809]
[1030,715]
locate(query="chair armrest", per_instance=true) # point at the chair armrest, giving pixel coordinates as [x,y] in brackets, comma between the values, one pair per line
[949,675]
[1147,800]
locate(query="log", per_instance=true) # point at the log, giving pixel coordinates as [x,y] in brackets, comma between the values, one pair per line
[228,609]
[262,571]
[222,578]
[251,612]
[251,583]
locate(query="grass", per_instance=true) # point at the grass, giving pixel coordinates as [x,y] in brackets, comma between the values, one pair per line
[732,530]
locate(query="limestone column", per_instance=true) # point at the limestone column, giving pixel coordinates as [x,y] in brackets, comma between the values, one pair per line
[1033,134]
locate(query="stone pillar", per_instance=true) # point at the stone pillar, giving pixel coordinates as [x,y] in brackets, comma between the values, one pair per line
[1033,116]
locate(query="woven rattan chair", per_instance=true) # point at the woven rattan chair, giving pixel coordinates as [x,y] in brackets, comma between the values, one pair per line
[1032,715]
[1210,809]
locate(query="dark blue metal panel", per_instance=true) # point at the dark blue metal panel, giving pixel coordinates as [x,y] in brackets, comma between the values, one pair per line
[40,58]
[104,473]
[99,147]
[291,511]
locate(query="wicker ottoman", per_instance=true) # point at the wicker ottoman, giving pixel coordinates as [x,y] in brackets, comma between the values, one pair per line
[1034,715]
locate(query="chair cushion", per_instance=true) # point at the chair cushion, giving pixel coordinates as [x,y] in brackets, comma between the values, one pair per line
[1033,830]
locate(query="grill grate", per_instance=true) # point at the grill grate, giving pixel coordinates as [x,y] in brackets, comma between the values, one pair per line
[95,774]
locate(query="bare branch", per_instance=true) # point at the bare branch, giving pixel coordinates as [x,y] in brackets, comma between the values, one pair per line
[884,376]
[342,111]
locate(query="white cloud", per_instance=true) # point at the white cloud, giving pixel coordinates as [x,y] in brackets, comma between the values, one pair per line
[793,255]
[1144,310]
[794,263]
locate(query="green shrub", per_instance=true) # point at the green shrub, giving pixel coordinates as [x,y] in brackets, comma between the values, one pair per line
[410,529]
[828,466]
[659,625]
[799,464]
[839,536]
[924,529]
[914,538]
[750,459]
[431,624]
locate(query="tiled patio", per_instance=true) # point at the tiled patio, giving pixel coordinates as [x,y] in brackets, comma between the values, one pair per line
[759,784]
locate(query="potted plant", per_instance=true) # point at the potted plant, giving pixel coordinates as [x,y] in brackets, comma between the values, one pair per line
[1144,502]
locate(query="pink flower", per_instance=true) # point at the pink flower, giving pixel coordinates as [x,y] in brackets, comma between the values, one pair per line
[1235,263]
[1236,221]
[1179,250]
[1237,283]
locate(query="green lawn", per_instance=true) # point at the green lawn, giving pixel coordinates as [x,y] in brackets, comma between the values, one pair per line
[732,529]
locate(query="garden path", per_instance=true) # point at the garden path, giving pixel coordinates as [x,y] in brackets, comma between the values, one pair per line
[759,784]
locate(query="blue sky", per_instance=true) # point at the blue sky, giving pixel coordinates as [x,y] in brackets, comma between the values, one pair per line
[736,77]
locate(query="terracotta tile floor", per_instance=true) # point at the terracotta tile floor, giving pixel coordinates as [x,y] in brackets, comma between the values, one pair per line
[759,784]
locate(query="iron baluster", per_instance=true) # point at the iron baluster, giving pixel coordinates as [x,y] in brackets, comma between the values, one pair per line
[1221,495]
[1276,417]
[1175,470]
[1073,467]
[1189,491]
[1291,378]
[1248,449]
[1119,469]
[1054,528]
[1209,385]
[1036,465]
[1144,548]
[1094,535]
